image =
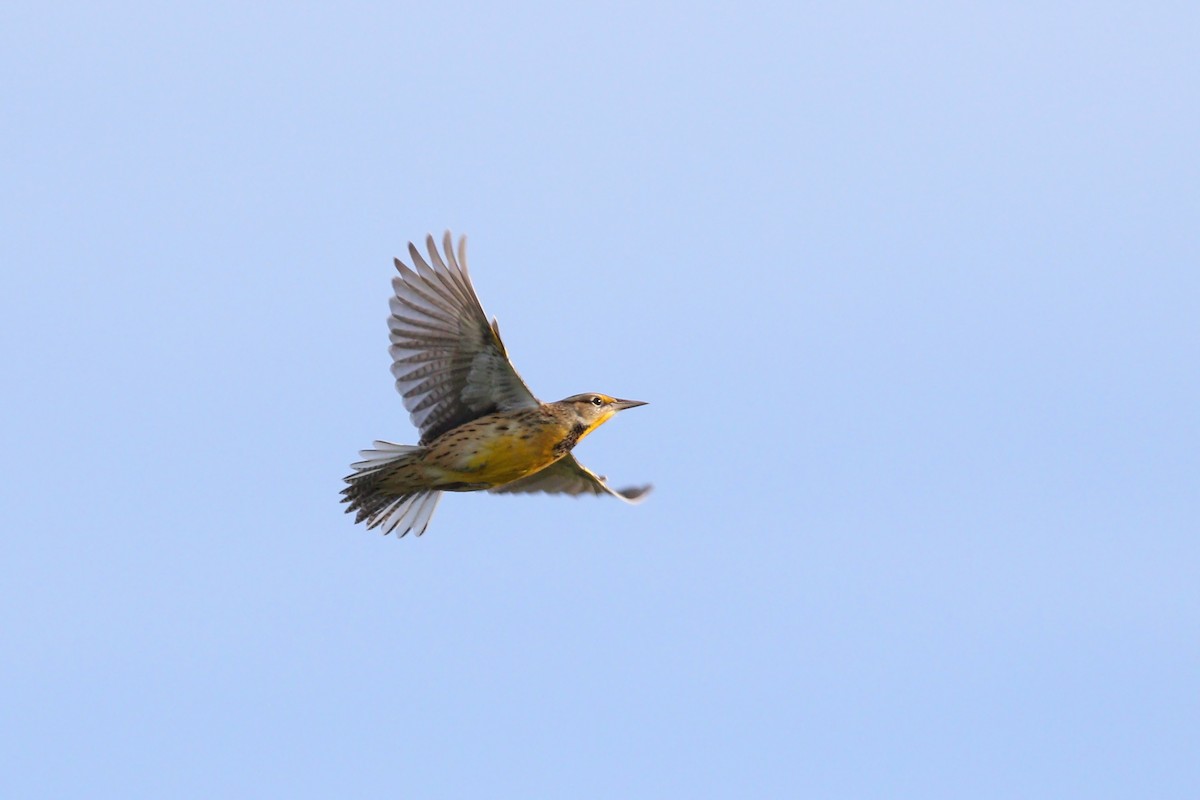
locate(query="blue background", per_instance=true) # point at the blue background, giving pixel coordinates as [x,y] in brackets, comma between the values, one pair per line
[912,290]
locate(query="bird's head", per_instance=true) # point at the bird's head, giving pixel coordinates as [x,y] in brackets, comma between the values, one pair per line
[594,409]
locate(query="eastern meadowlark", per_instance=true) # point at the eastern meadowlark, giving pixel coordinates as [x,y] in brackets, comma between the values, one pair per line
[481,428]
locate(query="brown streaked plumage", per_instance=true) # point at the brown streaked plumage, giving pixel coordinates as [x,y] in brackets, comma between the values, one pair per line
[481,428]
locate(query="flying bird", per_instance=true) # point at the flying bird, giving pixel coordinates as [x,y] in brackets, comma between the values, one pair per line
[481,428]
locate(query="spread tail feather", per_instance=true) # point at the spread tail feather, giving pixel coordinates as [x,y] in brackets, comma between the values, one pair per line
[381,491]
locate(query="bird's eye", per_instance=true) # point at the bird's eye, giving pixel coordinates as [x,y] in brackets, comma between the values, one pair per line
[596,401]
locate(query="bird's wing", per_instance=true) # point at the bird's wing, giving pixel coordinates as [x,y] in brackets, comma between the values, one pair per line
[449,363]
[568,476]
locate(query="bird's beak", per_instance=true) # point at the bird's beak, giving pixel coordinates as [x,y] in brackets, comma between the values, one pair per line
[621,405]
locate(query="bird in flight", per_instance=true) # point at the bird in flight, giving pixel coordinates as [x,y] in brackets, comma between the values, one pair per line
[481,428]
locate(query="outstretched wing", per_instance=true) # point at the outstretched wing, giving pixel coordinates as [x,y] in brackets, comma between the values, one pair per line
[568,476]
[449,363]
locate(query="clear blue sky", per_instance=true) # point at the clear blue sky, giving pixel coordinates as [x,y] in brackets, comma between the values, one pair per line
[913,291]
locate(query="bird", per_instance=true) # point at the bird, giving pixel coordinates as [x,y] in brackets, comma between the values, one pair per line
[481,428]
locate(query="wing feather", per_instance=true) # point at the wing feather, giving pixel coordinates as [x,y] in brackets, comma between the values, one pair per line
[449,363]
[568,476]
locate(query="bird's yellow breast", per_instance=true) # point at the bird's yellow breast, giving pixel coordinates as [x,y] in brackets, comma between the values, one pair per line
[496,449]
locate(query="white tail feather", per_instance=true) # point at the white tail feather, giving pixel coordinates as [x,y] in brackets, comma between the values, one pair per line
[379,492]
